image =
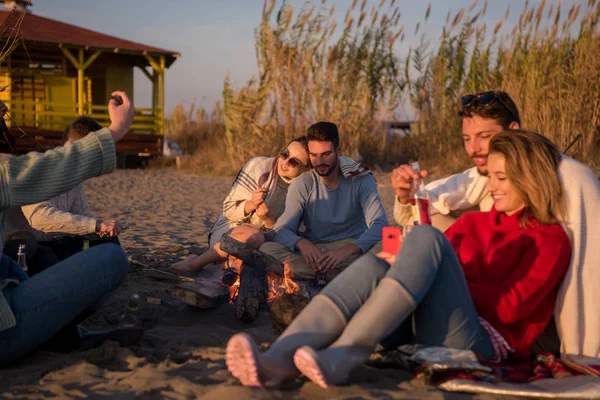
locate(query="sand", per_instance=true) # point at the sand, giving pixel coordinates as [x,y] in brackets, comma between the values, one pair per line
[181,356]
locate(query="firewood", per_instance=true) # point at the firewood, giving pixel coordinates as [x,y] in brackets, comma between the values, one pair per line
[252,293]
[203,294]
[285,309]
[252,257]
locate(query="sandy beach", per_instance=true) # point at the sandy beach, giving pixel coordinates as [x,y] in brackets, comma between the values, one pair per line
[181,356]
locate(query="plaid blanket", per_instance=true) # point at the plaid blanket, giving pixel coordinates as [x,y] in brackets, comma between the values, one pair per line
[544,366]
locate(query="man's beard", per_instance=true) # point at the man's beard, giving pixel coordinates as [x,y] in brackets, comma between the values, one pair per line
[482,173]
[329,170]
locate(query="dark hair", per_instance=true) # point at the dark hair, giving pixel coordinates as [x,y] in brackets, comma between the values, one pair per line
[324,132]
[302,140]
[80,128]
[503,109]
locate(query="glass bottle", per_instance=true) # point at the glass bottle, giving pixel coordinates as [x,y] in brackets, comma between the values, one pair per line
[22,258]
[130,317]
[420,203]
[319,275]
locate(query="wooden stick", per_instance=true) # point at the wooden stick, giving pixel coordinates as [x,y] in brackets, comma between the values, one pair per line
[172,275]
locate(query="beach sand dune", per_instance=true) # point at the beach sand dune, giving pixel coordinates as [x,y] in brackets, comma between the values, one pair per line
[181,356]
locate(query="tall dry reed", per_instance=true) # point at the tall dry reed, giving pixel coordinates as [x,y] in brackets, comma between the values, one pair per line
[309,69]
[549,65]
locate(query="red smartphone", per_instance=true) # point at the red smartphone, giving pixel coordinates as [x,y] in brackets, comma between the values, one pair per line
[392,239]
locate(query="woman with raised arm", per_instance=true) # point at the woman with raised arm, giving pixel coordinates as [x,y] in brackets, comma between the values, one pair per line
[50,304]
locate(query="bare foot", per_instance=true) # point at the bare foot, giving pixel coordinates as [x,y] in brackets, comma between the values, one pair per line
[187,265]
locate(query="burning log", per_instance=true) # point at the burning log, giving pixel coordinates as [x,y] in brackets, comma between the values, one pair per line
[262,279]
[251,293]
[284,309]
[252,257]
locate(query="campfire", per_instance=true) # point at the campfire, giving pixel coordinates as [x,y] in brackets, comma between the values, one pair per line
[260,279]
[253,281]
[276,286]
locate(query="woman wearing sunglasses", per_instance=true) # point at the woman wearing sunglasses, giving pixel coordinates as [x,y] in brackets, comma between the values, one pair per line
[488,285]
[256,200]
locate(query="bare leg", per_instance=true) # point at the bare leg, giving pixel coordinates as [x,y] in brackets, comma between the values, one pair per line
[243,233]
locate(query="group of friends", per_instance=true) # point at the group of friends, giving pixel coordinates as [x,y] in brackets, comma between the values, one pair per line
[507,269]
[512,276]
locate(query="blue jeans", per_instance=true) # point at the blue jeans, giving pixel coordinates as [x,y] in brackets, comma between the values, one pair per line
[50,300]
[428,268]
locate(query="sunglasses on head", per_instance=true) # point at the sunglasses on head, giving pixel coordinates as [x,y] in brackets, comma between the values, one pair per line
[485,99]
[294,162]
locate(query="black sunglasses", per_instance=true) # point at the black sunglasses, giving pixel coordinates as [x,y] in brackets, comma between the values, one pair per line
[294,162]
[485,99]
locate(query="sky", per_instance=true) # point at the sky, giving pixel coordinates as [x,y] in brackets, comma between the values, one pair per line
[216,37]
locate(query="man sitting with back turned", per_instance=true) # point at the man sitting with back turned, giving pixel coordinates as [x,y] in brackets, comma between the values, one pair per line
[63,222]
[338,204]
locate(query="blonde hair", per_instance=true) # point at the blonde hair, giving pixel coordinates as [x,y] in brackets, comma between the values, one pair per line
[531,167]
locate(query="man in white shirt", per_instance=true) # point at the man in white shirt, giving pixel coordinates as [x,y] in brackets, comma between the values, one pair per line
[483,116]
[65,221]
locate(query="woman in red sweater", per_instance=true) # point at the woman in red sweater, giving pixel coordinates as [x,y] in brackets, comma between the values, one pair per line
[488,285]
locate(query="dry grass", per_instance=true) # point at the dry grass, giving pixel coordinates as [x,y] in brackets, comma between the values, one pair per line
[550,68]
[309,69]
[202,139]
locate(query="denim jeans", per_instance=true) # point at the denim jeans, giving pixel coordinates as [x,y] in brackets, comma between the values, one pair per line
[428,268]
[50,300]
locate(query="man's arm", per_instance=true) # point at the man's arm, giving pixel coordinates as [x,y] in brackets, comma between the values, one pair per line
[456,192]
[287,225]
[48,217]
[374,213]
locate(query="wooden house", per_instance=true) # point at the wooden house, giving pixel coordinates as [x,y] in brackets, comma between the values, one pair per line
[52,71]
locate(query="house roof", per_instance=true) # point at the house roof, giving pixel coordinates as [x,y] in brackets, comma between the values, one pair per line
[35,28]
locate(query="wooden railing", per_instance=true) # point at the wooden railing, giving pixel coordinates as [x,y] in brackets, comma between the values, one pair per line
[56,116]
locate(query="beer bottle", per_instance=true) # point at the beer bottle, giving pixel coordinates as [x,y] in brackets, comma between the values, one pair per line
[420,203]
[21,258]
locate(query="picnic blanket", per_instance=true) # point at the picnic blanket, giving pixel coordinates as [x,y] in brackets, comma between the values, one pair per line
[546,376]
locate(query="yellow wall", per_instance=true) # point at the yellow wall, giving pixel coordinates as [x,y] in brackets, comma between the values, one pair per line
[119,78]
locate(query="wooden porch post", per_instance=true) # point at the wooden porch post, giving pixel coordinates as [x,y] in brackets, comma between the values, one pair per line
[80,83]
[161,90]
[81,64]
[155,102]
[158,86]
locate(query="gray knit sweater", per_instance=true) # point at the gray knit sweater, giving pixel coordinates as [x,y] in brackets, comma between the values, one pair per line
[37,177]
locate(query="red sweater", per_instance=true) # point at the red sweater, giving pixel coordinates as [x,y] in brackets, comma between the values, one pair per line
[513,273]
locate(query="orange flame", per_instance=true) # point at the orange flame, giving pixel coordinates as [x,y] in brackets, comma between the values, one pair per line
[233,290]
[279,286]
[276,285]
